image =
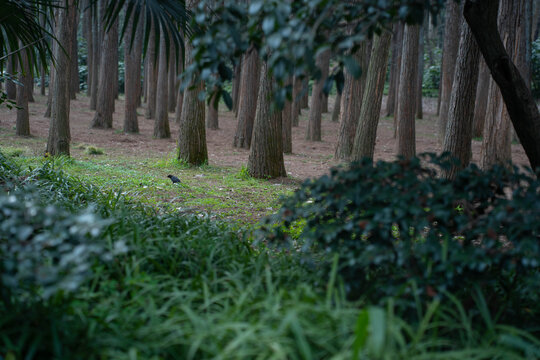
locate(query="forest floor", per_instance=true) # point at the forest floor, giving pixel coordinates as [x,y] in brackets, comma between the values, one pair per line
[146,158]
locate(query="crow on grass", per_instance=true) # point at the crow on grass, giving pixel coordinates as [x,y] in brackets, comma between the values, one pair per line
[174,179]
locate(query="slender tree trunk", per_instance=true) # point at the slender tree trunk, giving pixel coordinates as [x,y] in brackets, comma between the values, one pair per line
[42,73]
[337,108]
[482,92]
[406,146]
[152,68]
[286,119]
[23,121]
[366,132]
[192,139]
[237,80]
[458,135]
[29,80]
[296,100]
[132,60]
[212,119]
[52,75]
[315,112]
[172,80]
[179,95]
[161,124]
[351,104]
[74,58]
[395,67]
[99,9]
[11,88]
[450,50]
[103,117]
[87,32]
[266,153]
[304,104]
[59,134]
[248,99]
[419,108]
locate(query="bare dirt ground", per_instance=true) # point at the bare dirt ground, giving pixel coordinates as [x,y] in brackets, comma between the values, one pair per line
[309,159]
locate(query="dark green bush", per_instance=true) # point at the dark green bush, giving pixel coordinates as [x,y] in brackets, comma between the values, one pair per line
[402,231]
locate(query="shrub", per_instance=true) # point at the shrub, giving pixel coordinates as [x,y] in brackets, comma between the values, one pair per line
[400,230]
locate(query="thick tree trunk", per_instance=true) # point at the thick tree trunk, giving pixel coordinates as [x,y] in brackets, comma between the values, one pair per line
[450,50]
[161,123]
[351,104]
[481,16]
[132,76]
[103,117]
[59,134]
[286,124]
[23,121]
[152,68]
[395,67]
[248,99]
[482,92]
[266,153]
[337,108]
[458,135]
[406,145]
[366,132]
[212,118]
[192,133]
[315,111]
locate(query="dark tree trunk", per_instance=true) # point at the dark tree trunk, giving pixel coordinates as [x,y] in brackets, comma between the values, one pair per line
[315,112]
[23,121]
[337,108]
[248,99]
[450,50]
[212,118]
[366,132]
[172,80]
[87,32]
[297,100]
[96,57]
[74,58]
[480,107]
[59,134]
[132,76]
[458,135]
[236,87]
[286,123]
[406,145]
[266,153]
[152,69]
[395,67]
[419,107]
[481,15]
[103,117]
[161,123]
[11,88]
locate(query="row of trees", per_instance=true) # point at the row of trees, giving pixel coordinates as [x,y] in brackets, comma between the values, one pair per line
[470,101]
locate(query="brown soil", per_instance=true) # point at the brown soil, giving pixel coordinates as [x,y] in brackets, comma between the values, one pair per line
[309,159]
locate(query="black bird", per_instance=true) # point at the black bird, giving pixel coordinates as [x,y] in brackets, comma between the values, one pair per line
[174,179]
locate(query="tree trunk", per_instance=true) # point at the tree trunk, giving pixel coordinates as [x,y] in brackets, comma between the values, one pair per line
[366,132]
[248,99]
[192,133]
[23,121]
[172,80]
[351,104]
[132,76]
[458,135]
[395,68]
[304,103]
[161,123]
[59,134]
[152,68]
[450,50]
[11,88]
[236,86]
[286,123]
[87,32]
[406,146]
[297,100]
[103,117]
[179,95]
[212,119]
[482,92]
[337,108]
[96,57]
[315,112]
[266,153]
[419,108]
[74,58]
[496,142]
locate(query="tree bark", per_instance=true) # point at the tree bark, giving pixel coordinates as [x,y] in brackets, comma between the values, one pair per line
[406,145]
[103,117]
[458,135]
[11,88]
[152,68]
[59,134]
[266,153]
[450,50]
[172,80]
[23,122]
[337,108]
[419,107]
[315,111]
[482,92]
[96,57]
[366,132]
[132,76]
[395,68]
[286,123]
[161,123]
[247,105]
[212,119]
[296,101]
[87,32]
[74,58]
[236,87]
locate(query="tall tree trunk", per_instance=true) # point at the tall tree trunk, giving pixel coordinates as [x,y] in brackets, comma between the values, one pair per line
[266,153]
[248,99]
[366,132]
[87,33]
[59,134]
[74,58]
[450,50]
[315,112]
[337,108]
[296,100]
[236,87]
[161,124]
[212,120]
[406,145]
[304,103]
[152,68]
[351,104]
[132,76]
[482,92]
[11,88]
[99,9]
[172,79]
[419,107]
[286,123]
[458,135]
[52,75]
[395,67]
[23,121]
[192,139]
[103,117]
[29,80]
[42,72]
[179,95]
